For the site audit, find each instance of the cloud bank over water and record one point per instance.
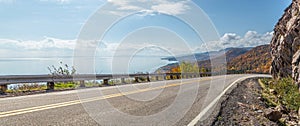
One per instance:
(34, 56)
(250, 39)
(56, 46)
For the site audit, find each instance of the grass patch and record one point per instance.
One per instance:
(26, 88)
(92, 84)
(65, 85)
(281, 92)
(114, 82)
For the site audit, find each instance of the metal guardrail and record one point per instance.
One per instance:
(51, 80)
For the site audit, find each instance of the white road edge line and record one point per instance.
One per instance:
(205, 110)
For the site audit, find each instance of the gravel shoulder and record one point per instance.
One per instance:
(242, 105)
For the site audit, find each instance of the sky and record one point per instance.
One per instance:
(35, 20)
(52, 28)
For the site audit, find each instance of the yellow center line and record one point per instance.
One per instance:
(69, 103)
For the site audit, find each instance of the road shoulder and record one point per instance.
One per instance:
(241, 105)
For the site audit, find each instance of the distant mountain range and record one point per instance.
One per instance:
(208, 55)
(248, 59)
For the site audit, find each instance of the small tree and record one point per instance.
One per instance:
(203, 70)
(62, 70)
(188, 67)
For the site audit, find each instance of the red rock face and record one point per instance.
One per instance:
(285, 45)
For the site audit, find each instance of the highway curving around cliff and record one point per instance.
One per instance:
(174, 102)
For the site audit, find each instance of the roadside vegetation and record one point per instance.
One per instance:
(42, 87)
(281, 92)
(65, 85)
(62, 70)
(183, 67)
(282, 96)
(39, 87)
(23, 88)
(267, 103)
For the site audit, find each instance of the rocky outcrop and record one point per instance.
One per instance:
(285, 45)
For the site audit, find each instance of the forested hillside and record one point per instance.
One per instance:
(257, 60)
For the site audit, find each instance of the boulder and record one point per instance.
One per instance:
(273, 115)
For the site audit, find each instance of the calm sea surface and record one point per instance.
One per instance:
(32, 66)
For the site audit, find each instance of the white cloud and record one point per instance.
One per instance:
(58, 1)
(169, 7)
(7, 1)
(53, 45)
(46, 43)
(250, 39)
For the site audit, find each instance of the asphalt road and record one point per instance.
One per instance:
(174, 102)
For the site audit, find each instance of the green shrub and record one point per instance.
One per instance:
(62, 70)
(92, 84)
(27, 88)
(285, 90)
(65, 85)
(113, 82)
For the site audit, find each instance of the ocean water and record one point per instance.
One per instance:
(102, 65)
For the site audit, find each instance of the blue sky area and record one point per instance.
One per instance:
(33, 30)
(240, 16)
(34, 19)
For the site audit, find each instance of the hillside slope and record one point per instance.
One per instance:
(239, 60)
(257, 60)
(230, 54)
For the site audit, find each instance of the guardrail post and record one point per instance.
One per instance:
(136, 79)
(82, 84)
(148, 78)
(165, 77)
(171, 77)
(178, 76)
(50, 86)
(123, 81)
(3, 88)
(105, 81)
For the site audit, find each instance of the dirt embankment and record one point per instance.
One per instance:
(245, 106)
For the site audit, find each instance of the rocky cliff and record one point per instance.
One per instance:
(285, 45)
